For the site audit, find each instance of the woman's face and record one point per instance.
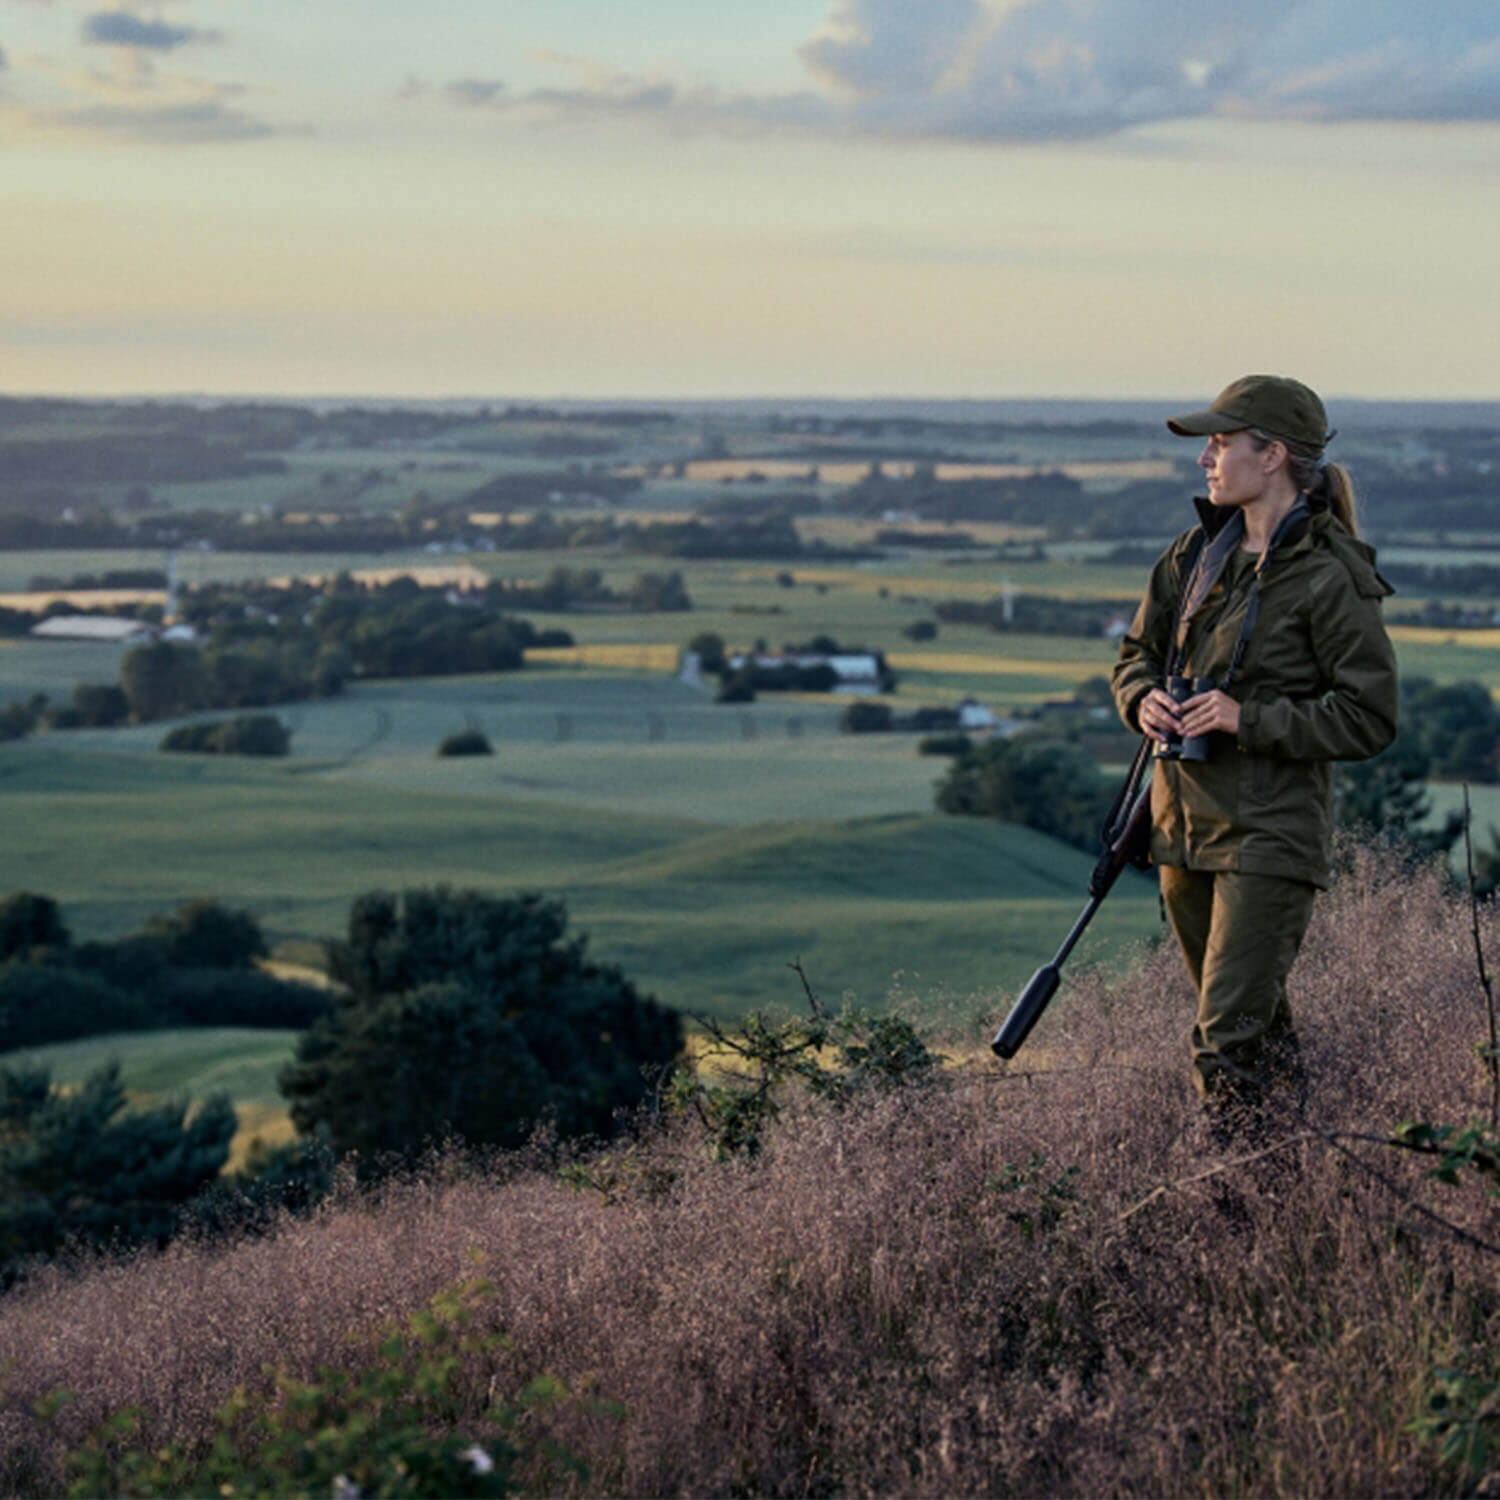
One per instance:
(1237, 470)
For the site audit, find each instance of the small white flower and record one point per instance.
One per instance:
(345, 1488)
(479, 1459)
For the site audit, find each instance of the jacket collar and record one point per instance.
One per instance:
(1214, 518)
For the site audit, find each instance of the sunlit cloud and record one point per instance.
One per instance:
(1016, 70)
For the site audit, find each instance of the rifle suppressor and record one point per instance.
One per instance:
(1040, 988)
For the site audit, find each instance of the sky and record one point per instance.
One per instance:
(797, 198)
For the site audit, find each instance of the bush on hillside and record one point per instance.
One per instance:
(44, 1003)
(92, 706)
(1046, 784)
(229, 997)
(465, 742)
(194, 966)
(28, 922)
(247, 734)
(77, 1167)
(867, 718)
(474, 1017)
(945, 744)
(201, 933)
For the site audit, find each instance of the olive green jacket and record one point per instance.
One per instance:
(1317, 683)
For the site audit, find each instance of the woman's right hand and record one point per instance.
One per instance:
(1158, 715)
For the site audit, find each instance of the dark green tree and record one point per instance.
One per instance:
(709, 646)
(77, 1166)
(1387, 796)
(28, 922)
(660, 593)
(472, 1016)
(94, 705)
(1046, 784)
(162, 679)
(1458, 726)
(202, 934)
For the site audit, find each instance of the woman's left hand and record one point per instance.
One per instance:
(1205, 712)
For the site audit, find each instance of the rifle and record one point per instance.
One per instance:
(1126, 837)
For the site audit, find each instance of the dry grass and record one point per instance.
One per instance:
(644, 656)
(1008, 1283)
(990, 663)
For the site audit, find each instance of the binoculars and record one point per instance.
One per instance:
(1193, 746)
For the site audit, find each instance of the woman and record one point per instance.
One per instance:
(1259, 645)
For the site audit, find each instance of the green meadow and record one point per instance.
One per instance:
(705, 911)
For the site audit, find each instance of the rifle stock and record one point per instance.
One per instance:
(1126, 840)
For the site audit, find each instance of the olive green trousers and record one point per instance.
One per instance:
(1239, 934)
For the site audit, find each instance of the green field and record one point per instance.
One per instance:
(704, 912)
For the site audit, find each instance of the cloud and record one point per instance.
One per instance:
(993, 69)
(598, 92)
(1017, 70)
(475, 91)
(203, 122)
(118, 28)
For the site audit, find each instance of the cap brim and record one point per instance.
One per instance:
(1201, 423)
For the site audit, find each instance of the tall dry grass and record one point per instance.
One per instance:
(982, 1287)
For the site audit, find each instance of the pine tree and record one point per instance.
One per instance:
(78, 1166)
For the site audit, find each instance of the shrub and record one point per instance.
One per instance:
(76, 1166)
(920, 630)
(465, 742)
(867, 718)
(44, 1003)
(236, 997)
(248, 734)
(98, 705)
(203, 934)
(474, 1017)
(1046, 784)
(28, 922)
(945, 744)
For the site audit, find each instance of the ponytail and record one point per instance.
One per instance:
(1337, 488)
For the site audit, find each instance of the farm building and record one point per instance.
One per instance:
(103, 628)
(854, 671)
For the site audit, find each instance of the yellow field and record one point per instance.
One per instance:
(437, 576)
(35, 603)
(655, 656)
(989, 664)
(1436, 635)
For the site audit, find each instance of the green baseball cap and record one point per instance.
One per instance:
(1274, 404)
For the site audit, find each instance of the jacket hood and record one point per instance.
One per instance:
(1320, 529)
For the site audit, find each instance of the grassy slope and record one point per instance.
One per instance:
(705, 916)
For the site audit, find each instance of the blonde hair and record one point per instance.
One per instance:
(1328, 484)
